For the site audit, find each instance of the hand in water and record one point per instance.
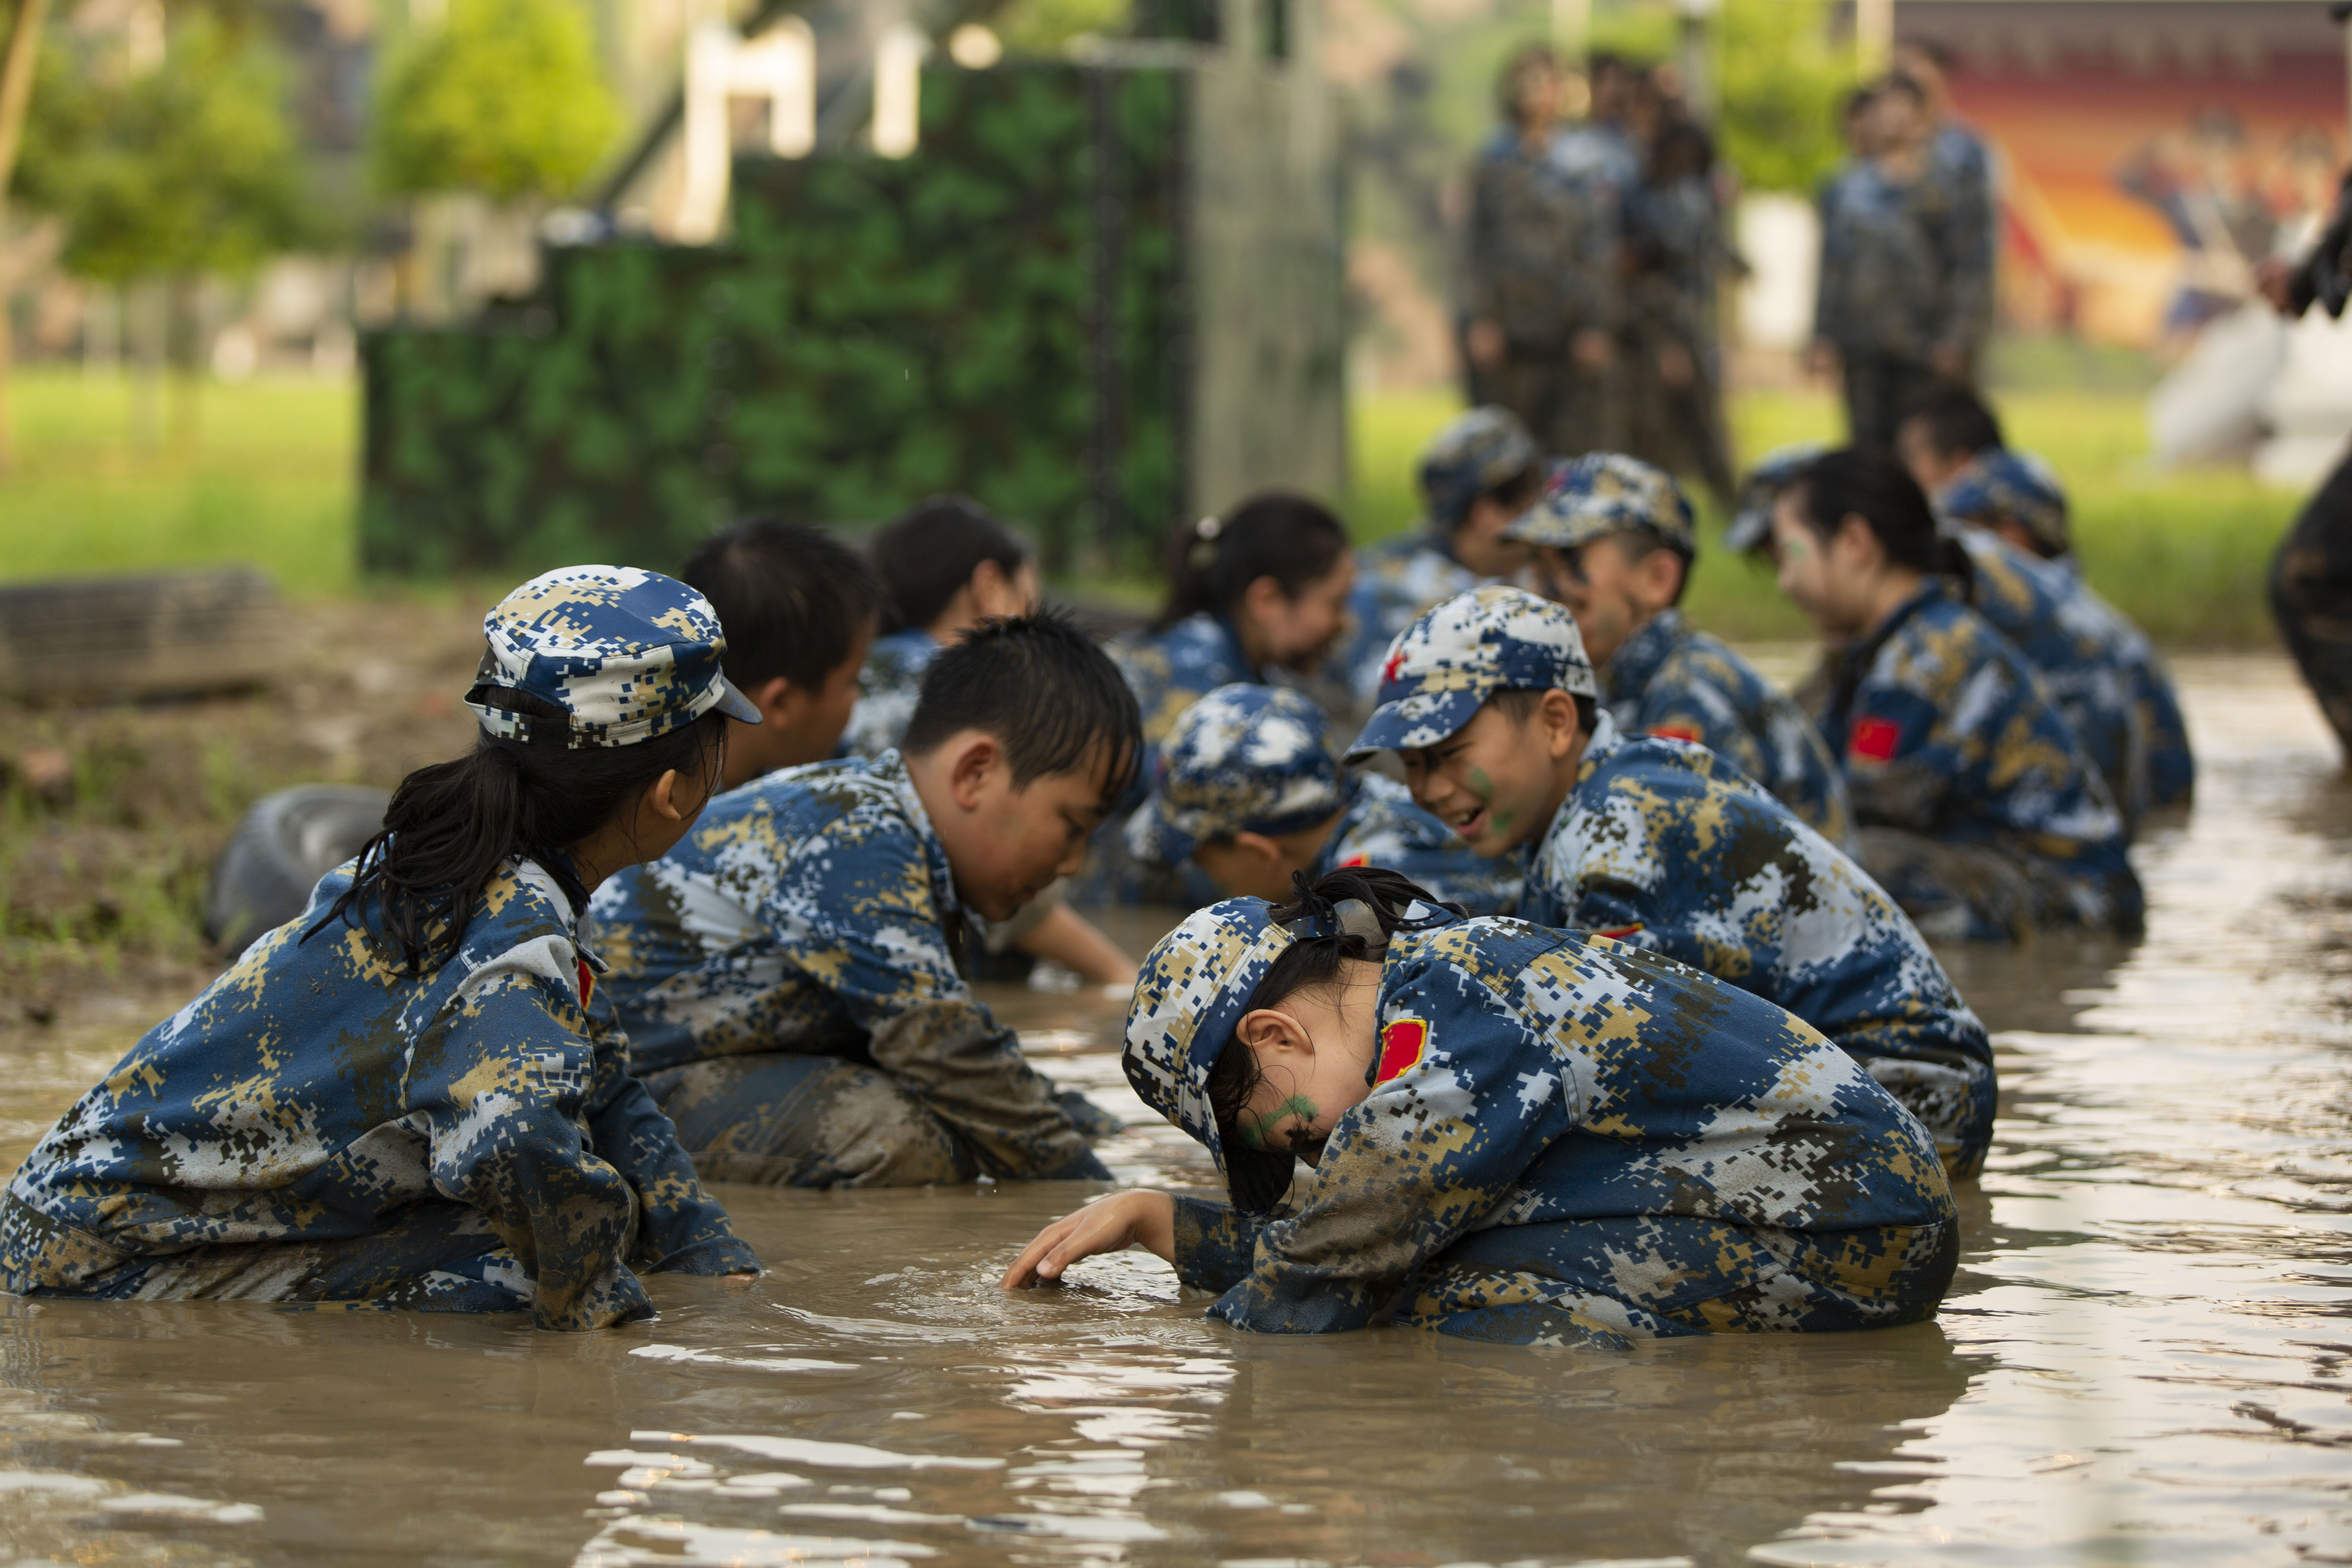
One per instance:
(1108, 1224)
(740, 1279)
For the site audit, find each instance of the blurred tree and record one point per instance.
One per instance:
(16, 102)
(166, 174)
(1046, 26)
(1781, 80)
(503, 99)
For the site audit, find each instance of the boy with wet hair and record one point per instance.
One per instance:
(1248, 790)
(1493, 706)
(799, 607)
(788, 973)
(1475, 475)
(1614, 542)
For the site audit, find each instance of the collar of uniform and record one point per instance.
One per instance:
(532, 874)
(1605, 739)
(890, 769)
(1224, 630)
(1634, 665)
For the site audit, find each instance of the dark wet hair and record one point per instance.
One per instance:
(1519, 703)
(793, 599)
(1956, 419)
(1043, 688)
(1257, 1178)
(451, 827)
(1211, 563)
(1872, 486)
(924, 557)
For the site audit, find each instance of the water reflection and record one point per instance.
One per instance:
(2146, 1357)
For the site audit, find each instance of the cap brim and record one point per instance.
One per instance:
(1749, 528)
(734, 704)
(1412, 722)
(1153, 840)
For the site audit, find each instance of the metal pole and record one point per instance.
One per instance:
(1873, 34)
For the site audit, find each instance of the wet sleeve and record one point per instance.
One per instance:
(504, 1084)
(681, 1228)
(1216, 1243)
(1470, 1097)
(861, 919)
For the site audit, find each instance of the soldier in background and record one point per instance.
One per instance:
(1901, 295)
(1957, 158)
(1541, 262)
(1673, 246)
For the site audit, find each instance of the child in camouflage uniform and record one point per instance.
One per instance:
(1660, 843)
(2013, 508)
(799, 607)
(415, 1095)
(1978, 809)
(1518, 1134)
(788, 972)
(945, 567)
(1250, 792)
(1475, 475)
(1615, 541)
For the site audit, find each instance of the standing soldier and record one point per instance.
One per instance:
(1674, 235)
(1895, 312)
(1541, 261)
(1957, 159)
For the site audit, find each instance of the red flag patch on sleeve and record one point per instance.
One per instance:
(1357, 860)
(1619, 933)
(587, 983)
(1675, 732)
(1875, 739)
(1402, 1046)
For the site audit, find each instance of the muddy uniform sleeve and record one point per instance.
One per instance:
(1467, 1098)
(504, 1087)
(1216, 1243)
(682, 1229)
(861, 920)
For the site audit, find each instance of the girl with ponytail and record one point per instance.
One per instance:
(1978, 809)
(412, 1095)
(1515, 1133)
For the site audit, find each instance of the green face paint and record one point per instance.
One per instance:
(1483, 787)
(1254, 1131)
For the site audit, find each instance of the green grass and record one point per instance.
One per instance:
(265, 478)
(268, 479)
(2185, 554)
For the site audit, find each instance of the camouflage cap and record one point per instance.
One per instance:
(1193, 989)
(1608, 492)
(1751, 525)
(626, 654)
(1442, 669)
(2002, 486)
(1243, 758)
(1481, 450)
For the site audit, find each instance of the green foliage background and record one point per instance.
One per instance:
(874, 331)
(505, 98)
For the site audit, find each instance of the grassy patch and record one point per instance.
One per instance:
(2185, 554)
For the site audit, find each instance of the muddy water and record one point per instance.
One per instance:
(2147, 1356)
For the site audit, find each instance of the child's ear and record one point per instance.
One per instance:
(1560, 722)
(1259, 846)
(774, 698)
(1266, 1031)
(976, 756)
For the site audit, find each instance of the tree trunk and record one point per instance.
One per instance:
(15, 100)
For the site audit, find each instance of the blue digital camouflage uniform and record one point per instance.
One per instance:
(887, 686)
(1669, 678)
(1661, 844)
(788, 980)
(1898, 277)
(1568, 1141)
(1257, 758)
(2000, 486)
(1168, 670)
(1401, 580)
(1978, 811)
(319, 1125)
(1541, 255)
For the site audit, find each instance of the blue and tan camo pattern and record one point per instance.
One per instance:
(1607, 492)
(2001, 486)
(809, 912)
(1541, 246)
(1397, 582)
(1662, 845)
(888, 686)
(1903, 264)
(1172, 669)
(1475, 452)
(1945, 732)
(626, 654)
(1591, 1145)
(1442, 669)
(1383, 827)
(1670, 679)
(315, 1098)
(2074, 649)
(1243, 758)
